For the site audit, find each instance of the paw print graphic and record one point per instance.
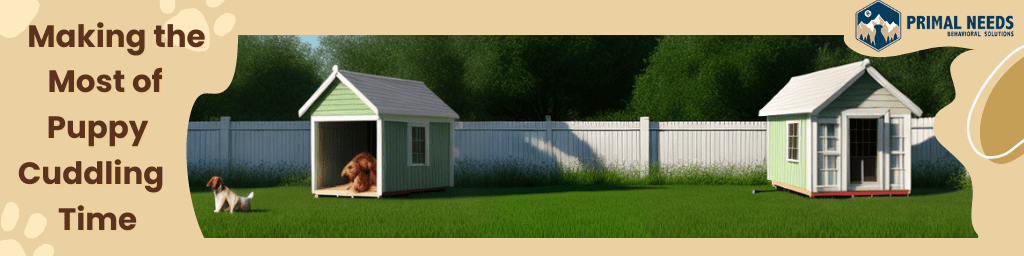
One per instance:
(192, 18)
(15, 15)
(33, 228)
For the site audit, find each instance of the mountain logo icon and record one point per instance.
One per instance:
(878, 25)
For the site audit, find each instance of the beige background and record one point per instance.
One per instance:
(167, 225)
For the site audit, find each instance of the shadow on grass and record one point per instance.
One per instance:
(482, 192)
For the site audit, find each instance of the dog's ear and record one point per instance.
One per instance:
(367, 162)
(214, 182)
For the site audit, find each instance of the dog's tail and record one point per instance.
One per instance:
(250, 195)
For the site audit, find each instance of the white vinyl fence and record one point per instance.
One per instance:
(261, 145)
(573, 144)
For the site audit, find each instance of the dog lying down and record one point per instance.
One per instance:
(361, 173)
(225, 199)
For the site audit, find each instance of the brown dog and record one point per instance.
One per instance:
(362, 172)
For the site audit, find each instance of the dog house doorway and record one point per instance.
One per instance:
(335, 144)
(864, 152)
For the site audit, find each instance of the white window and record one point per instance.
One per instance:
(793, 141)
(418, 144)
(897, 150)
(828, 154)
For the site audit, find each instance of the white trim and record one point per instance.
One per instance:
(767, 145)
(892, 89)
(320, 90)
(909, 147)
(811, 155)
(327, 83)
(343, 118)
(313, 150)
(844, 145)
(797, 122)
(883, 152)
(451, 155)
(426, 142)
(312, 155)
(881, 167)
(380, 158)
(358, 93)
(825, 152)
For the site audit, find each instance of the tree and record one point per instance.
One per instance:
(711, 78)
(274, 76)
(504, 77)
(720, 77)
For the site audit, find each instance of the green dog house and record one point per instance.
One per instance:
(403, 124)
(841, 131)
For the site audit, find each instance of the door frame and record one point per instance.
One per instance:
(883, 130)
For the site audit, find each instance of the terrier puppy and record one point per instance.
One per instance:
(225, 199)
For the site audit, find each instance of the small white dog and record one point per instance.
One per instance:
(225, 199)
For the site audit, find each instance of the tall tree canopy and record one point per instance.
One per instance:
(498, 78)
(705, 78)
(504, 77)
(274, 75)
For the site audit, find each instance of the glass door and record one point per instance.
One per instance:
(863, 150)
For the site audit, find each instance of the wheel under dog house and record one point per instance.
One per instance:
(841, 131)
(403, 124)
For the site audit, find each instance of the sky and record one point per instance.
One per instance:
(311, 39)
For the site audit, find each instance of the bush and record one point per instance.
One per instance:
(513, 173)
(940, 175)
(249, 176)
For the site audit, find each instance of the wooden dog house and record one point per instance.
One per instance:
(841, 131)
(403, 124)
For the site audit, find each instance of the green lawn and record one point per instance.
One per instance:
(591, 211)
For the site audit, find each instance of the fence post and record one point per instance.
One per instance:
(550, 141)
(225, 142)
(645, 142)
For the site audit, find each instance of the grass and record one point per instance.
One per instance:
(592, 211)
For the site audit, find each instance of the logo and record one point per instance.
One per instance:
(878, 25)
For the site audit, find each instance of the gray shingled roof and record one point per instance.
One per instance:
(399, 96)
(389, 95)
(810, 93)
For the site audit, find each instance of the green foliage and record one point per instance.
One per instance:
(600, 78)
(274, 75)
(720, 77)
(711, 78)
(945, 175)
(504, 77)
(482, 174)
(256, 176)
(591, 211)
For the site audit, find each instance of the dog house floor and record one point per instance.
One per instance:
(345, 191)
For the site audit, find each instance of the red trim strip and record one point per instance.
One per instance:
(864, 193)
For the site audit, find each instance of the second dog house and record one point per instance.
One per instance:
(403, 124)
(841, 131)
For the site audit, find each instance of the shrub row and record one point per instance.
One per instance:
(491, 174)
(483, 174)
(251, 176)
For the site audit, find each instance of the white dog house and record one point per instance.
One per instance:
(841, 131)
(403, 124)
